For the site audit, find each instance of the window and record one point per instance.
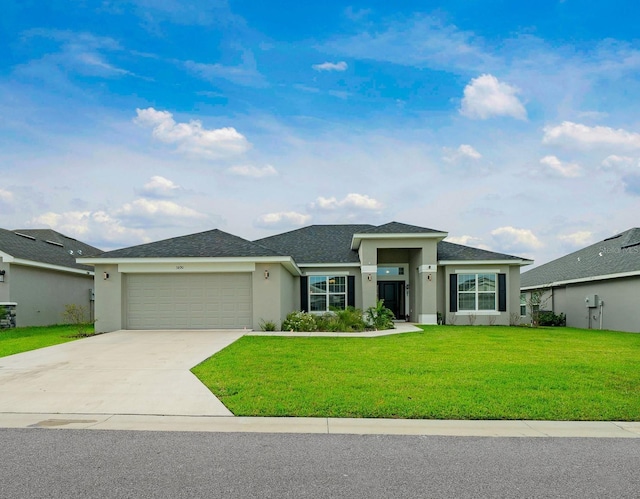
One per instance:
(523, 304)
(327, 292)
(476, 292)
(382, 271)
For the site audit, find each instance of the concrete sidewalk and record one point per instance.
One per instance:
(597, 429)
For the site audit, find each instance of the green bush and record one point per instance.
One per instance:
(300, 321)
(348, 320)
(548, 318)
(268, 325)
(380, 317)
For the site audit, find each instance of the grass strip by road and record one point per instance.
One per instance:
(445, 372)
(23, 339)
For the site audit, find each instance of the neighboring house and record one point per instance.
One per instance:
(597, 287)
(39, 275)
(217, 280)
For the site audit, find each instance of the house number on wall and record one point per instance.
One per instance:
(179, 267)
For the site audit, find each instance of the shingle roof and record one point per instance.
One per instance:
(332, 243)
(46, 246)
(400, 228)
(458, 252)
(212, 243)
(317, 243)
(614, 255)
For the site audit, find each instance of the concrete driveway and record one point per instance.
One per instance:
(124, 372)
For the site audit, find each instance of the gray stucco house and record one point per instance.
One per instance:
(217, 280)
(597, 287)
(39, 275)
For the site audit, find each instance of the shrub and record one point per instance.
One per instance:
(349, 320)
(380, 317)
(548, 318)
(299, 321)
(78, 316)
(268, 326)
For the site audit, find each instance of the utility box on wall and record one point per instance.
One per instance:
(591, 301)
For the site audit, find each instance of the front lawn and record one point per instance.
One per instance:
(445, 372)
(23, 339)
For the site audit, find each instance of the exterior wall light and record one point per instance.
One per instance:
(105, 276)
(370, 277)
(266, 274)
(2, 272)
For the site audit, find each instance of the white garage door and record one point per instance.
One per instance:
(188, 301)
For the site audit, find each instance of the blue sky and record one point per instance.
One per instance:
(514, 126)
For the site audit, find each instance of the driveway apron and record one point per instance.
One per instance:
(124, 372)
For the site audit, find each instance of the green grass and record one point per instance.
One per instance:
(23, 339)
(445, 372)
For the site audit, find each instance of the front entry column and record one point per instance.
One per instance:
(428, 276)
(369, 286)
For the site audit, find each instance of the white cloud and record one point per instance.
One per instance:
(464, 240)
(352, 201)
(245, 74)
(6, 196)
(614, 162)
(191, 138)
(331, 66)
(513, 239)
(253, 171)
(564, 169)
(160, 187)
(577, 239)
(465, 151)
(486, 97)
(583, 136)
(146, 212)
(282, 219)
(96, 226)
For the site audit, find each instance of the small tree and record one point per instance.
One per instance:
(78, 316)
(535, 301)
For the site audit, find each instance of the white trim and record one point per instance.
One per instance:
(583, 279)
(318, 265)
(185, 268)
(476, 271)
(485, 262)
(8, 303)
(431, 319)
(6, 257)
(357, 238)
(286, 261)
(479, 312)
(48, 266)
(369, 269)
(328, 274)
(427, 268)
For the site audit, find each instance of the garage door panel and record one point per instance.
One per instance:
(188, 301)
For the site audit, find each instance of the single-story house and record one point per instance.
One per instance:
(597, 287)
(39, 275)
(217, 280)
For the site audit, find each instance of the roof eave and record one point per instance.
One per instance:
(357, 238)
(286, 261)
(580, 280)
(520, 262)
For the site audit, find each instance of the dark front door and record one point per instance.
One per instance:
(392, 292)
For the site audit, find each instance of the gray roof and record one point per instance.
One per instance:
(46, 246)
(212, 243)
(317, 243)
(332, 243)
(400, 228)
(614, 255)
(451, 251)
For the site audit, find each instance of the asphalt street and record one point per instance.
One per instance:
(63, 463)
